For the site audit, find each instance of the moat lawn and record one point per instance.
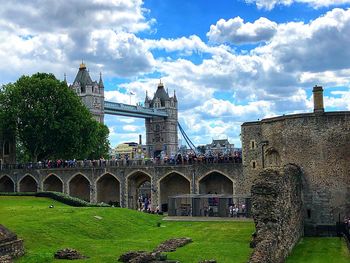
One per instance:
(320, 250)
(45, 230)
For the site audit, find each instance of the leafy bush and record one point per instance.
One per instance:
(18, 193)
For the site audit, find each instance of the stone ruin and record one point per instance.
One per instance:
(277, 212)
(69, 253)
(10, 246)
(156, 255)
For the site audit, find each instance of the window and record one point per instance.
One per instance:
(253, 163)
(252, 144)
(6, 148)
(308, 213)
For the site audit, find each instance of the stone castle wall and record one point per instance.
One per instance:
(277, 212)
(126, 178)
(319, 144)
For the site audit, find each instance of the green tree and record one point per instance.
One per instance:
(49, 118)
(100, 143)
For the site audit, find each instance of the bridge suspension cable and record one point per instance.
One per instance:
(187, 139)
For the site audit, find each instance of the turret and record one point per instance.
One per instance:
(160, 94)
(101, 85)
(90, 92)
(147, 100)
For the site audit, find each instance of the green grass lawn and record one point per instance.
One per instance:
(45, 230)
(320, 250)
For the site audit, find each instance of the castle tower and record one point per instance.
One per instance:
(161, 133)
(90, 92)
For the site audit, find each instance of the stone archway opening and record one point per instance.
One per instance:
(53, 184)
(108, 190)
(6, 184)
(28, 184)
(139, 190)
(216, 183)
(79, 187)
(171, 185)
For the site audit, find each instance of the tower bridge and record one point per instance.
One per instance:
(125, 184)
(160, 112)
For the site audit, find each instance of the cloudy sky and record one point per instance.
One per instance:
(229, 61)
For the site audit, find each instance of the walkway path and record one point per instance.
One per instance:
(205, 218)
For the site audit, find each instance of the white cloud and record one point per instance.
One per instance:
(236, 31)
(321, 45)
(342, 100)
(270, 4)
(78, 16)
(55, 35)
(130, 128)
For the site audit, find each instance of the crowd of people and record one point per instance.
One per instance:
(178, 159)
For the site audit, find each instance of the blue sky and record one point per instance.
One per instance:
(229, 61)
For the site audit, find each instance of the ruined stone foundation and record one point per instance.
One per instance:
(277, 212)
(10, 246)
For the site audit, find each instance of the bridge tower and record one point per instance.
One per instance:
(161, 132)
(90, 92)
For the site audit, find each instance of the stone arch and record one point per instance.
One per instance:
(7, 184)
(173, 183)
(216, 182)
(53, 183)
(28, 184)
(108, 189)
(272, 158)
(139, 184)
(80, 186)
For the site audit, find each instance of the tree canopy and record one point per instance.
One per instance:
(50, 120)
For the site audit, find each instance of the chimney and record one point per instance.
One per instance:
(140, 139)
(318, 99)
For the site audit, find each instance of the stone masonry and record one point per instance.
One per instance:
(277, 212)
(10, 246)
(120, 183)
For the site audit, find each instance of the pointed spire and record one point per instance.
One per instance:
(100, 82)
(175, 99)
(147, 98)
(65, 78)
(160, 83)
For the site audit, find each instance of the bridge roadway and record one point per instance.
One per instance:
(138, 111)
(124, 183)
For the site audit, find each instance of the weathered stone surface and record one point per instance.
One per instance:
(10, 246)
(6, 235)
(6, 259)
(319, 144)
(126, 257)
(277, 212)
(68, 253)
(172, 244)
(155, 256)
(142, 257)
